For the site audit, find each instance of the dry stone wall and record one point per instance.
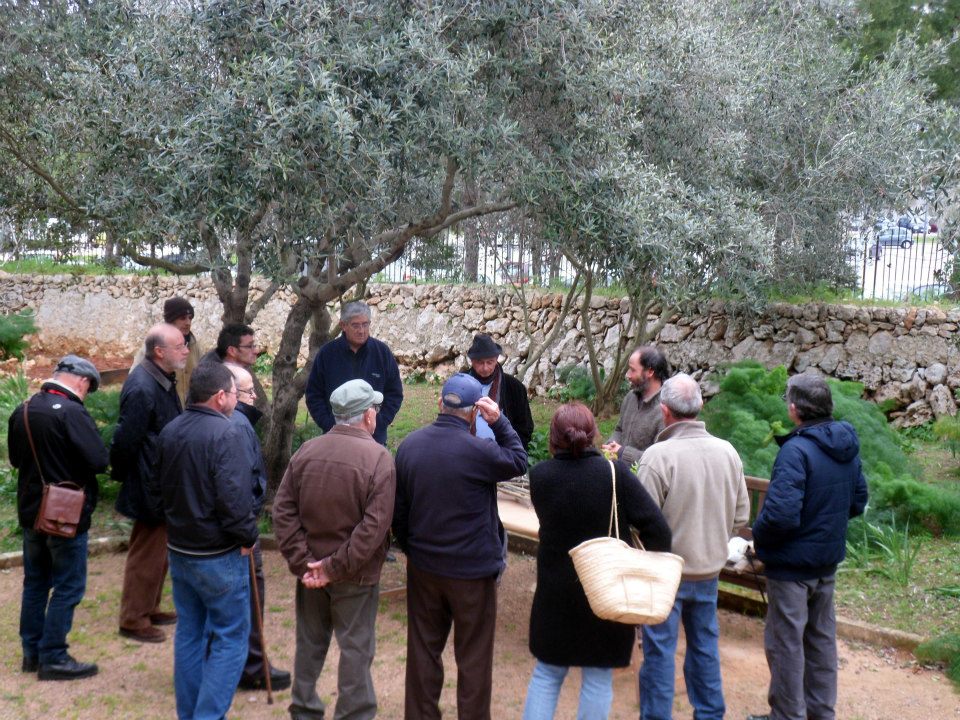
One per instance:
(904, 355)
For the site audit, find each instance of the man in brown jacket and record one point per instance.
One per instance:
(331, 517)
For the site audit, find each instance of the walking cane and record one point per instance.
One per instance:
(263, 640)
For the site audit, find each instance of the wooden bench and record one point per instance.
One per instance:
(757, 489)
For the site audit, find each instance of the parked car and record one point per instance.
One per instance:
(913, 222)
(926, 293)
(894, 237)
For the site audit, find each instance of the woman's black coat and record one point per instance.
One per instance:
(572, 498)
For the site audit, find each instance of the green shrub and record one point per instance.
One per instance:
(944, 649)
(104, 408)
(13, 328)
(749, 411)
(577, 384)
(539, 447)
(13, 391)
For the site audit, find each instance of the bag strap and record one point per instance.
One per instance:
(614, 519)
(33, 449)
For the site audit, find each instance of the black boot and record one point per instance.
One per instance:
(69, 669)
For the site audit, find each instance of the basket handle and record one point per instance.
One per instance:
(614, 519)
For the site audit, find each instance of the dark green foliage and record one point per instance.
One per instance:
(577, 384)
(947, 429)
(104, 408)
(539, 448)
(945, 649)
(12, 330)
(749, 411)
(306, 430)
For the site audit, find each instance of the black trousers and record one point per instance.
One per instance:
(434, 605)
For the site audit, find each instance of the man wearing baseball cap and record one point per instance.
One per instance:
(331, 517)
(55, 568)
(446, 521)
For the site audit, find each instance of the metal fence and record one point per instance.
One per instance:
(901, 266)
(904, 267)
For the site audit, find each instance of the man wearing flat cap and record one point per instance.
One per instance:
(505, 390)
(331, 517)
(446, 521)
(68, 448)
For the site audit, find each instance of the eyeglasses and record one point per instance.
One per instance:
(251, 346)
(230, 392)
(376, 409)
(359, 326)
(250, 393)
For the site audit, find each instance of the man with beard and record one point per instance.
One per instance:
(178, 311)
(505, 390)
(640, 417)
(148, 401)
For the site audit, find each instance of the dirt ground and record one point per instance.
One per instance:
(135, 680)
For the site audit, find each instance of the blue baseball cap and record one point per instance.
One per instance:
(461, 391)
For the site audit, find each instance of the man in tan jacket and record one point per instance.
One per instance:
(332, 517)
(698, 482)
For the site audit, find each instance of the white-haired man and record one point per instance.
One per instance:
(697, 479)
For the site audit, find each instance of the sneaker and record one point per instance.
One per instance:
(148, 634)
(69, 669)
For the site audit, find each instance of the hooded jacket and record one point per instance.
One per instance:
(816, 487)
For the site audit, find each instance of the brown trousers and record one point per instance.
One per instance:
(143, 575)
(434, 604)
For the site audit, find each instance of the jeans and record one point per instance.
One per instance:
(596, 692)
(50, 563)
(801, 645)
(211, 595)
(696, 605)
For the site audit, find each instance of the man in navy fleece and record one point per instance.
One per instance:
(354, 356)
(445, 520)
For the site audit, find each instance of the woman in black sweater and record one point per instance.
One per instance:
(572, 495)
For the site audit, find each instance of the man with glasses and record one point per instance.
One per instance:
(354, 356)
(332, 517)
(245, 416)
(178, 311)
(148, 401)
(237, 345)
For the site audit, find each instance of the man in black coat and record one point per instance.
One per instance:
(148, 402)
(205, 486)
(505, 390)
(68, 448)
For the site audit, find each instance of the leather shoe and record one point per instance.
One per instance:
(147, 634)
(69, 669)
(30, 664)
(758, 717)
(163, 618)
(279, 680)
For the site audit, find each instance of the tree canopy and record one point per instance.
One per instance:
(678, 148)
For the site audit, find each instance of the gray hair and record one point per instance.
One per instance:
(681, 394)
(810, 396)
(351, 420)
(354, 309)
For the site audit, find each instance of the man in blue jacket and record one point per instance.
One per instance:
(445, 519)
(354, 356)
(800, 534)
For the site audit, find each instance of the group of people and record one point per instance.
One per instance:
(194, 481)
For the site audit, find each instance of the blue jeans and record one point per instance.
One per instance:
(211, 595)
(50, 563)
(596, 692)
(696, 605)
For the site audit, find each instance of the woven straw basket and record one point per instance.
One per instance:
(624, 584)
